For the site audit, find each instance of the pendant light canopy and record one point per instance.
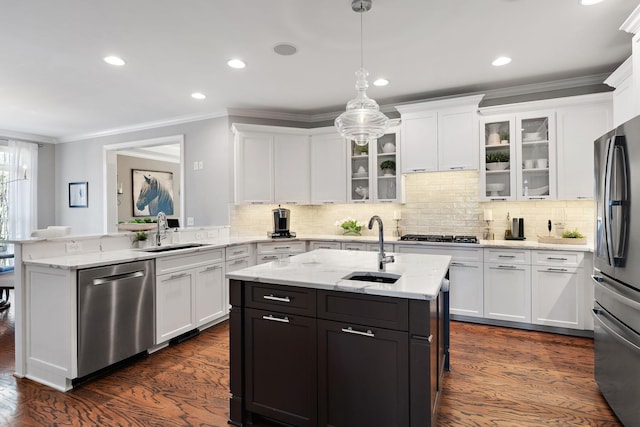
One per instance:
(362, 121)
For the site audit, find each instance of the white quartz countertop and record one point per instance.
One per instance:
(420, 275)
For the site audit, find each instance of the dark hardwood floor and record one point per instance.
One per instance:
(499, 377)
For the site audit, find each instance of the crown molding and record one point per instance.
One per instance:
(632, 23)
(546, 104)
(143, 126)
(29, 137)
(620, 74)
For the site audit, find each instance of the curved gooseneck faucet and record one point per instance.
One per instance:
(162, 218)
(382, 258)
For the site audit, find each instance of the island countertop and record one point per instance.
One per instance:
(420, 275)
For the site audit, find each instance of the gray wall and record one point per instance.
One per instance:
(46, 185)
(207, 190)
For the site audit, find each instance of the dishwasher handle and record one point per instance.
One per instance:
(108, 279)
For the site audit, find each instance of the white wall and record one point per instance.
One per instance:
(206, 191)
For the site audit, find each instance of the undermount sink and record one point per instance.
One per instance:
(174, 247)
(373, 276)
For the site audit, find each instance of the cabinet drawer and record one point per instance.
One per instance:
(281, 247)
(354, 246)
(286, 299)
(456, 254)
(180, 262)
(236, 264)
(563, 258)
(261, 259)
(371, 310)
(324, 245)
(374, 247)
(512, 256)
(238, 251)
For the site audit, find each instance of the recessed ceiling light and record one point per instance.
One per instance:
(285, 49)
(503, 60)
(114, 60)
(381, 82)
(236, 63)
(590, 2)
(198, 95)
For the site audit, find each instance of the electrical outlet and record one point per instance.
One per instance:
(189, 221)
(73, 247)
(200, 165)
(200, 235)
(195, 166)
(211, 234)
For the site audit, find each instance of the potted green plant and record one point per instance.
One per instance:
(388, 167)
(360, 150)
(140, 236)
(498, 160)
(504, 137)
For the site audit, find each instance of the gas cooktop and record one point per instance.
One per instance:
(439, 238)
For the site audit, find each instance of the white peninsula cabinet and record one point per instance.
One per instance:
(278, 249)
(190, 292)
(271, 165)
(440, 135)
(507, 285)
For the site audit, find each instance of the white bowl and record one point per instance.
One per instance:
(497, 166)
(540, 191)
(495, 189)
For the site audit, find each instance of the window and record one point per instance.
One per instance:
(4, 191)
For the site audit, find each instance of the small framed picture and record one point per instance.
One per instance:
(78, 194)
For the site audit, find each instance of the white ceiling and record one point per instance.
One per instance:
(54, 83)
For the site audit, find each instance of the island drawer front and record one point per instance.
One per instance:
(180, 262)
(285, 299)
(370, 310)
(565, 259)
(512, 256)
(238, 251)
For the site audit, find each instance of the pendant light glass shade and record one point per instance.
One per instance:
(362, 121)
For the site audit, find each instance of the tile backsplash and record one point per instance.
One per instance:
(435, 203)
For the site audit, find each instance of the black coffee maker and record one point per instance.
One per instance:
(281, 219)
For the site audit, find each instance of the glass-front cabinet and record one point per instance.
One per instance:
(518, 161)
(373, 170)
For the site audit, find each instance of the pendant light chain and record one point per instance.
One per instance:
(361, 41)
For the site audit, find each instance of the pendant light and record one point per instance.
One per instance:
(362, 121)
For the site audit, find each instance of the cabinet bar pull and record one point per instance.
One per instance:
(213, 267)
(418, 170)
(497, 198)
(350, 330)
(507, 266)
(537, 198)
(177, 276)
(282, 247)
(240, 261)
(284, 319)
(270, 257)
(257, 203)
(456, 168)
(271, 297)
(557, 258)
(238, 252)
(328, 203)
(557, 269)
(506, 256)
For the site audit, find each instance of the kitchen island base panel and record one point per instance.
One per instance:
(365, 373)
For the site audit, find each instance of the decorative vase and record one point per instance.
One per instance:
(494, 134)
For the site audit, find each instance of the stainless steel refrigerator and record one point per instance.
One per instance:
(616, 275)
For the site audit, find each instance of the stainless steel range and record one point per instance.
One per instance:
(439, 238)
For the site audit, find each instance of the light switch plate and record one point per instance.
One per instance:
(189, 221)
(73, 247)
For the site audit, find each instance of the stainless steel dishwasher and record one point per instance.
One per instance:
(115, 313)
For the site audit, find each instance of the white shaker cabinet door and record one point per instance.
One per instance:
(211, 293)
(254, 168)
(507, 292)
(467, 289)
(557, 294)
(328, 169)
(291, 170)
(174, 305)
(420, 143)
(457, 140)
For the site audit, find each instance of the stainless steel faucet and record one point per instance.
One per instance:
(382, 258)
(162, 218)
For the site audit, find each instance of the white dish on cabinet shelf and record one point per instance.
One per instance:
(495, 188)
(360, 175)
(497, 166)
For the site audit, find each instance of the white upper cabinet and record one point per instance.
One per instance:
(271, 165)
(440, 135)
(328, 168)
(578, 127)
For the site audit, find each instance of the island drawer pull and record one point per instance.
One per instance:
(350, 330)
(506, 256)
(284, 319)
(272, 297)
(557, 269)
(557, 258)
(507, 266)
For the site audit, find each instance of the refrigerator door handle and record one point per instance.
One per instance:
(617, 202)
(606, 209)
(617, 331)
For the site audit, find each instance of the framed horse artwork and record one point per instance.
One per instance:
(152, 192)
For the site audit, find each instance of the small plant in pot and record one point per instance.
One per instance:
(497, 161)
(388, 167)
(140, 236)
(360, 150)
